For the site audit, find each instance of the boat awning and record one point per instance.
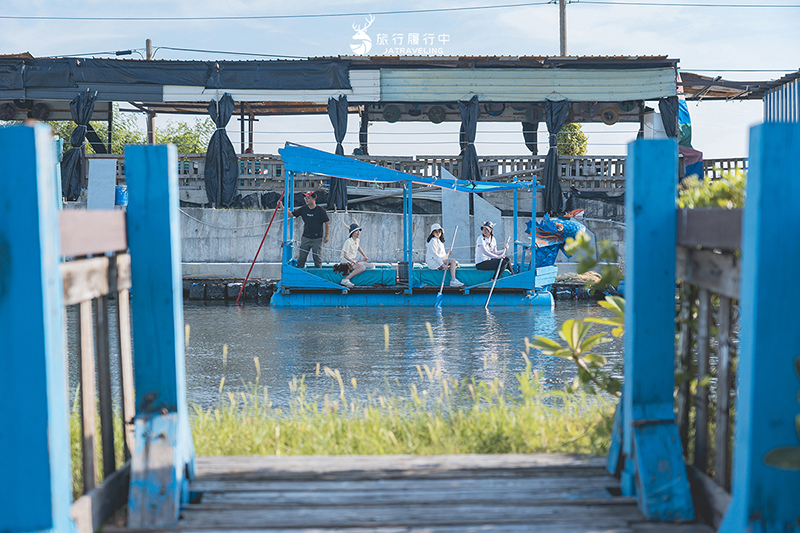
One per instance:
(307, 160)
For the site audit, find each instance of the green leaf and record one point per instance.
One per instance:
(593, 341)
(584, 375)
(544, 344)
(594, 359)
(784, 458)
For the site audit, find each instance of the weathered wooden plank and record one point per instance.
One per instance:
(411, 516)
(710, 228)
(722, 441)
(712, 497)
(544, 484)
(88, 402)
(84, 279)
(462, 528)
(508, 464)
(684, 360)
(701, 429)
(765, 497)
(654, 467)
(105, 400)
(126, 367)
(718, 272)
(265, 500)
(91, 232)
(123, 271)
(94, 508)
(34, 441)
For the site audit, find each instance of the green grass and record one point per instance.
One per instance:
(435, 416)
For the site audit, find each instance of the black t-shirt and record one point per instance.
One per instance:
(313, 219)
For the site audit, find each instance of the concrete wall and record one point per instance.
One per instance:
(222, 242)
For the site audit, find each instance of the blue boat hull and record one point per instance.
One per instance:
(350, 299)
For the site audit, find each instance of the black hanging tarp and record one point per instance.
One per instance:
(469, 127)
(530, 132)
(555, 116)
(222, 165)
(81, 108)
(337, 187)
(668, 107)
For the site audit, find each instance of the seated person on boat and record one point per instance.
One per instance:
(487, 255)
(350, 251)
(437, 258)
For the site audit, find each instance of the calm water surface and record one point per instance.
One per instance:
(465, 343)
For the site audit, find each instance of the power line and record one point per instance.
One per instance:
(282, 17)
(228, 53)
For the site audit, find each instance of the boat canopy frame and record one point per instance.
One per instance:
(300, 159)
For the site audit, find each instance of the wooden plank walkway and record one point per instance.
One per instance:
(402, 493)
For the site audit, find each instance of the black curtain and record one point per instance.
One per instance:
(337, 187)
(530, 134)
(668, 107)
(469, 127)
(555, 117)
(222, 165)
(81, 107)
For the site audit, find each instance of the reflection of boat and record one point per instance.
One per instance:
(394, 284)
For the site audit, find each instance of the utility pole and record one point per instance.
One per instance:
(151, 117)
(562, 25)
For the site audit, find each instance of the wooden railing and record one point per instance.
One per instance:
(260, 172)
(96, 267)
(707, 265)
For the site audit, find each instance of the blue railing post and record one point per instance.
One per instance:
(35, 474)
(163, 456)
(766, 498)
(654, 468)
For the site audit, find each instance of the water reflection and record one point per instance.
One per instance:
(465, 343)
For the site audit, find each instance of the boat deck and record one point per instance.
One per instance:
(401, 493)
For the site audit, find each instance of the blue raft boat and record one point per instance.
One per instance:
(396, 284)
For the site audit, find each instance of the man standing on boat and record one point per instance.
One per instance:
(315, 219)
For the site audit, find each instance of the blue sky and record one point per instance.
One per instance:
(714, 40)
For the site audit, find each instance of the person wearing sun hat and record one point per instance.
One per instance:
(487, 255)
(350, 251)
(437, 258)
(315, 219)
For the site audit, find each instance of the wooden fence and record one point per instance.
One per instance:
(662, 244)
(708, 267)
(96, 245)
(35, 285)
(259, 172)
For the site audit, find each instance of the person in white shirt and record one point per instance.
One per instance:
(350, 251)
(437, 258)
(487, 255)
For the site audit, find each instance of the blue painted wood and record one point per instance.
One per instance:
(35, 479)
(158, 333)
(351, 299)
(614, 461)
(650, 330)
(765, 498)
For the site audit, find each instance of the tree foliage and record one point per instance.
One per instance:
(728, 192)
(571, 140)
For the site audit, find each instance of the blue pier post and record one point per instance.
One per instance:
(766, 499)
(654, 469)
(35, 474)
(163, 457)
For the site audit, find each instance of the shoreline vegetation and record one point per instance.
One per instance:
(436, 415)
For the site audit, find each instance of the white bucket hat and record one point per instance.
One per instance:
(434, 227)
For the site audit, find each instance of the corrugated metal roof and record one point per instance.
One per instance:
(531, 85)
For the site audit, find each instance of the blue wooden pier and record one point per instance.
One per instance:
(165, 487)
